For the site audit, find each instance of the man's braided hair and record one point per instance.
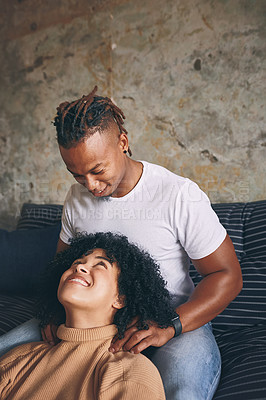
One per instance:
(81, 118)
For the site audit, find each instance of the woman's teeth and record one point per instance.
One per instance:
(81, 281)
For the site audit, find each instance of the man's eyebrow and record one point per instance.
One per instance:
(91, 170)
(105, 258)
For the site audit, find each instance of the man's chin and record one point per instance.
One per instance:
(105, 198)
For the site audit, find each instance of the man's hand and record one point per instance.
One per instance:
(49, 334)
(136, 340)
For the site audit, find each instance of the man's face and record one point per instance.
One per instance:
(99, 163)
(90, 284)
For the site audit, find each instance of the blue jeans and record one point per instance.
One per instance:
(189, 365)
(25, 333)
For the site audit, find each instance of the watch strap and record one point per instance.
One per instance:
(176, 323)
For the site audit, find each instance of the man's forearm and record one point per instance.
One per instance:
(211, 296)
(221, 283)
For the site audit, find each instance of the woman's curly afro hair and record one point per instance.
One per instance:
(139, 281)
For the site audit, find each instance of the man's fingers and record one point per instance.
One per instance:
(54, 331)
(133, 336)
(117, 344)
(44, 338)
(49, 334)
(154, 336)
(144, 344)
(137, 338)
(133, 322)
(127, 333)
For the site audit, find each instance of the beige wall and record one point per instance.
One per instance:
(189, 75)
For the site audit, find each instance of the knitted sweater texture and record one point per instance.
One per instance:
(80, 367)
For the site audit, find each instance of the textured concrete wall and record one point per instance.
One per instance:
(189, 75)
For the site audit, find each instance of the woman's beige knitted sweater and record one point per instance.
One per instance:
(80, 367)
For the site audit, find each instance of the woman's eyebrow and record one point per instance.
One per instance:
(87, 253)
(105, 258)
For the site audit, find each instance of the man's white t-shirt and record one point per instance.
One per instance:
(165, 214)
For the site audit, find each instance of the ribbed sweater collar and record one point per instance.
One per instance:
(86, 335)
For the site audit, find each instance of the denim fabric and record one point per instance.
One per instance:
(25, 333)
(190, 365)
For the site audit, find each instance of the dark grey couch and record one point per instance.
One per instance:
(240, 330)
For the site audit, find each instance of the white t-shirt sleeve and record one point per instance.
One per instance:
(198, 228)
(67, 229)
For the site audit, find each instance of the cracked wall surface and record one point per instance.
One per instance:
(189, 76)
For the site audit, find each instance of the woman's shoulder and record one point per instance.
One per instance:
(22, 355)
(138, 366)
(135, 369)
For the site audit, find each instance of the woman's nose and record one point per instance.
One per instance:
(82, 268)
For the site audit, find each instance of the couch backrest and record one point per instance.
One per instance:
(246, 225)
(26, 251)
(36, 216)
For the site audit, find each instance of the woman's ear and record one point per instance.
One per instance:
(119, 302)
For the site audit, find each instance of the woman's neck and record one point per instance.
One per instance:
(84, 320)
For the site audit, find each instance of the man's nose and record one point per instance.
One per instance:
(90, 183)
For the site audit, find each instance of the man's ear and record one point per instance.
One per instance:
(119, 302)
(123, 141)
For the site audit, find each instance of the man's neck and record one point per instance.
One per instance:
(131, 178)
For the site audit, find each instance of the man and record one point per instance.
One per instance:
(170, 217)
(92, 290)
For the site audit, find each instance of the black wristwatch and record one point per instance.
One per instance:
(176, 323)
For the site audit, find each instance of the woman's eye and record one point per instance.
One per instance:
(77, 262)
(102, 264)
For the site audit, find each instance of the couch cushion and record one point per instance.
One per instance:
(23, 255)
(231, 215)
(249, 307)
(244, 364)
(255, 229)
(246, 225)
(14, 310)
(35, 216)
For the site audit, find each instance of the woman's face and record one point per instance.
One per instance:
(91, 284)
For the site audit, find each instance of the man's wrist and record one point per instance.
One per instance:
(176, 324)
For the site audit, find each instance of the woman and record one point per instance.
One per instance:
(94, 290)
